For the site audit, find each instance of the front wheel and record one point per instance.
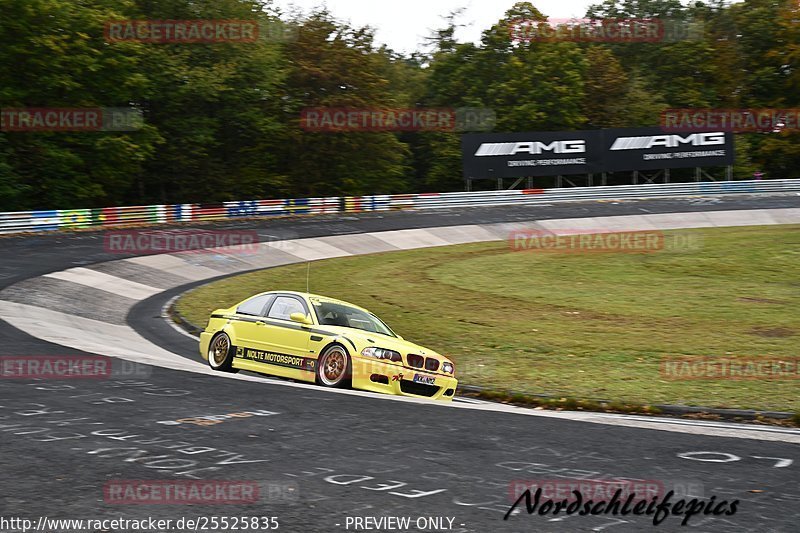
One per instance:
(220, 353)
(333, 367)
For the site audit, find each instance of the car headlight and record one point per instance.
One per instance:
(382, 353)
(448, 367)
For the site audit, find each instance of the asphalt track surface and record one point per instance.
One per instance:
(321, 458)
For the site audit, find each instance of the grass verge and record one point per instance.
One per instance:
(595, 325)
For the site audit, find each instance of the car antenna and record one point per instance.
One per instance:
(308, 272)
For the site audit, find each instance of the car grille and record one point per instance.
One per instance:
(415, 360)
(420, 389)
(431, 364)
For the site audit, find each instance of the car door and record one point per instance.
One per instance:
(249, 322)
(281, 344)
(284, 335)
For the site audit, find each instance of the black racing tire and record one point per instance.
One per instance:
(220, 353)
(334, 367)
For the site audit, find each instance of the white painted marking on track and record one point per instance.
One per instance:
(706, 423)
(105, 282)
(726, 457)
(463, 399)
(780, 462)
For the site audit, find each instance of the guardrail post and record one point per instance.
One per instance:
(514, 185)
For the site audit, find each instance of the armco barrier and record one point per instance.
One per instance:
(17, 222)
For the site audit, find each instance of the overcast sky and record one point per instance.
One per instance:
(403, 24)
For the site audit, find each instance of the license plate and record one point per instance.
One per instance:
(427, 380)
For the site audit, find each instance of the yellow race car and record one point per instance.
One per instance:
(317, 339)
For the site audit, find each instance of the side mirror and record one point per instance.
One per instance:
(300, 317)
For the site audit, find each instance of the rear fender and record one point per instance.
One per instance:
(229, 330)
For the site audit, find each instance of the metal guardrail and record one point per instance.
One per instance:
(61, 219)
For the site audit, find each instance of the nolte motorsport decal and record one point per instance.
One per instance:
(278, 359)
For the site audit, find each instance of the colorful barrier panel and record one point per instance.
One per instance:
(98, 218)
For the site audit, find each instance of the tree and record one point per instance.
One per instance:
(216, 105)
(335, 66)
(54, 56)
(606, 84)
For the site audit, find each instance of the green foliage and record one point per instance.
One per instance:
(334, 65)
(221, 121)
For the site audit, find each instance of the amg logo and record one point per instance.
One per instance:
(532, 147)
(668, 141)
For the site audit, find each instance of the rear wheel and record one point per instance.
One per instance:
(333, 367)
(220, 353)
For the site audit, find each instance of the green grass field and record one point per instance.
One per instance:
(576, 325)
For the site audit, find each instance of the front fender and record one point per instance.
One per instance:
(347, 342)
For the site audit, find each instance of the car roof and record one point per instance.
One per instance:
(319, 297)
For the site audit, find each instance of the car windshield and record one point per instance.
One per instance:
(335, 314)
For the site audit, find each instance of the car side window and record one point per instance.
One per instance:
(255, 306)
(284, 306)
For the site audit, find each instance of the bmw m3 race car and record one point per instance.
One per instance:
(317, 339)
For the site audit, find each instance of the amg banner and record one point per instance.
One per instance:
(508, 155)
(653, 149)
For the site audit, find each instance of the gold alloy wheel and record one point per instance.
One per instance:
(218, 352)
(333, 367)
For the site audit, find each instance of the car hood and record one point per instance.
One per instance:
(383, 341)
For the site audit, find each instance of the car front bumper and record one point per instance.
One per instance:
(377, 376)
